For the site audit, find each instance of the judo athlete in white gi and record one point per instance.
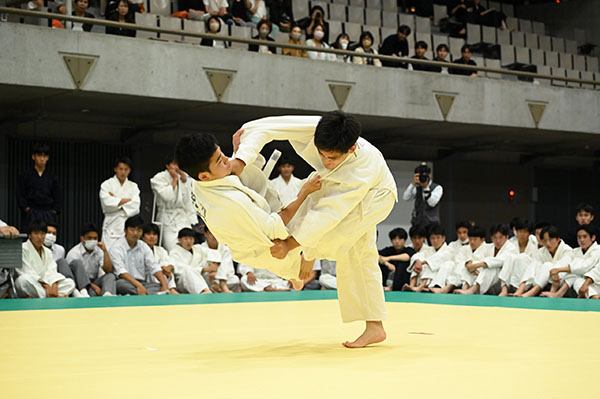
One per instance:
(286, 184)
(150, 233)
(120, 200)
(575, 266)
(588, 286)
(487, 271)
(175, 210)
(237, 215)
(462, 236)
(38, 277)
(339, 221)
(537, 274)
(515, 266)
(92, 256)
(424, 268)
(225, 279)
(190, 261)
(134, 263)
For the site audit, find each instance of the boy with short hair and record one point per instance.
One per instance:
(514, 266)
(286, 184)
(584, 215)
(396, 259)
(191, 262)
(150, 234)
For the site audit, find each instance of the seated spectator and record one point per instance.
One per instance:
(132, 5)
(216, 8)
(213, 25)
(584, 215)
(58, 251)
(259, 280)
(317, 41)
(295, 38)
(257, 10)
(38, 276)
(366, 46)
(514, 267)
(224, 278)
(190, 261)
(264, 30)
(286, 184)
(281, 14)
(465, 59)
(91, 255)
(462, 235)
(328, 277)
(124, 14)
(240, 14)
(8, 232)
(462, 11)
(150, 233)
(491, 17)
(395, 259)
(134, 263)
(341, 43)
(442, 51)
(397, 46)
(80, 10)
(310, 23)
(420, 50)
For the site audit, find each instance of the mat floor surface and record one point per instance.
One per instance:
(288, 345)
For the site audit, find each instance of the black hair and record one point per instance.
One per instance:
(125, 160)
(151, 228)
(591, 230)
(87, 228)
(499, 228)
(552, 231)
(442, 46)
(404, 29)
(461, 224)
(417, 231)
(52, 224)
(583, 207)
(436, 229)
(186, 232)
(193, 153)
(541, 225)
(477, 231)
(520, 224)
(169, 159)
(366, 34)
(465, 47)
(317, 7)
(134, 221)
(284, 160)
(38, 225)
(40, 148)
(213, 18)
(421, 44)
(337, 131)
(398, 232)
(423, 168)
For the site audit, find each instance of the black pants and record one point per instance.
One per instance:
(36, 214)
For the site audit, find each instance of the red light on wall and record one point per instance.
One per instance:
(557, 1)
(511, 193)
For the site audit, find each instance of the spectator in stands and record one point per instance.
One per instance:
(213, 25)
(58, 251)
(318, 42)
(422, 8)
(240, 14)
(120, 200)
(310, 24)
(442, 51)
(79, 10)
(420, 50)
(191, 9)
(134, 263)
(8, 232)
(395, 259)
(491, 17)
(281, 14)
(584, 215)
(217, 8)
(328, 277)
(38, 277)
(465, 50)
(191, 261)
(150, 233)
(172, 188)
(225, 279)
(426, 194)
(366, 46)
(264, 30)
(258, 13)
(397, 46)
(132, 5)
(341, 43)
(295, 38)
(462, 11)
(91, 255)
(39, 194)
(286, 184)
(122, 13)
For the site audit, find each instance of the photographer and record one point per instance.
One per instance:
(427, 196)
(317, 17)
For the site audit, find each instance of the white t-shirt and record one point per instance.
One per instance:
(261, 11)
(216, 5)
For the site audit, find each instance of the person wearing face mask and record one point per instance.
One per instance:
(213, 25)
(264, 30)
(91, 255)
(295, 36)
(318, 41)
(58, 251)
(310, 23)
(365, 46)
(341, 43)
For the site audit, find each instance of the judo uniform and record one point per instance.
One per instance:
(226, 270)
(515, 266)
(264, 279)
(594, 288)
(580, 264)
(188, 268)
(536, 272)
(488, 276)
(113, 226)
(442, 258)
(287, 191)
(162, 258)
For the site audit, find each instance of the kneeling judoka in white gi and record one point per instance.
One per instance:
(515, 266)
(339, 221)
(424, 268)
(537, 274)
(486, 272)
(574, 267)
(237, 215)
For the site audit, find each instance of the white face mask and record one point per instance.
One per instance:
(295, 36)
(90, 245)
(319, 34)
(214, 27)
(344, 44)
(49, 240)
(264, 32)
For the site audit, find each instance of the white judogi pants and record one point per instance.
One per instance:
(594, 289)
(514, 269)
(233, 282)
(263, 282)
(328, 281)
(29, 286)
(189, 280)
(445, 276)
(488, 280)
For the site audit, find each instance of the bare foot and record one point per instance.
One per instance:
(436, 290)
(387, 288)
(374, 333)
(173, 291)
(407, 287)
(297, 284)
(460, 291)
(595, 297)
(546, 294)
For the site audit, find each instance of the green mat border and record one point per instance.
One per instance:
(564, 304)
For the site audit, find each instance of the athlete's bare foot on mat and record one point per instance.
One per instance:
(374, 333)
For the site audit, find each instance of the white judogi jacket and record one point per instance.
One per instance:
(443, 254)
(422, 254)
(580, 263)
(181, 258)
(175, 209)
(287, 191)
(515, 241)
(496, 261)
(456, 245)
(161, 256)
(543, 261)
(41, 268)
(114, 215)
(226, 269)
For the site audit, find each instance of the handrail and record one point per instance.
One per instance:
(124, 25)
